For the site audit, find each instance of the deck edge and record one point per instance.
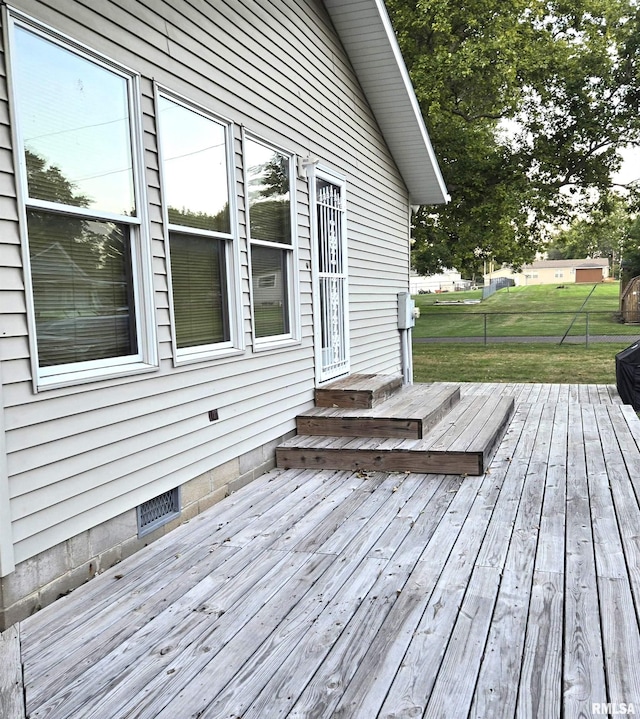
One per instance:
(11, 680)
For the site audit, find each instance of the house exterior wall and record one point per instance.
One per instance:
(79, 456)
(445, 282)
(549, 275)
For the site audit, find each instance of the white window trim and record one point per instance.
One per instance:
(236, 345)
(146, 359)
(293, 337)
(322, 172)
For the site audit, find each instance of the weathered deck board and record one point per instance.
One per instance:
(541, 677)
(142, 569)
(583, 663)
(619, 625)
(369, 684)
(120, 620)
(501, 669)
(376, 627)
(540, 692)
(11, 689)
(506, 551)
(371, 595)
(413, 681)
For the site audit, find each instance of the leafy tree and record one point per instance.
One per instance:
(630, 263)
(219, 222)
(97, 248)
(528, 104)
(271, 178)
(604, 233)
(270, 208)
(46, 182)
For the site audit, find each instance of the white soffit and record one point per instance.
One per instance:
(370, 42)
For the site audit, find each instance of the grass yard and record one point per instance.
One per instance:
(516, 363)
(541, 310)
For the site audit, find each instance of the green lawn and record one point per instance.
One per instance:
(542, 310)
(516, 363)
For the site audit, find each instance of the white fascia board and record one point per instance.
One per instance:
(367, 35)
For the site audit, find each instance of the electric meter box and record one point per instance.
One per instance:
(406, 311)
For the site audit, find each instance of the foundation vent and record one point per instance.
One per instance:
(158, 511)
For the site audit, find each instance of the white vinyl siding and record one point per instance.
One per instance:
(7, 563)
(80, 455)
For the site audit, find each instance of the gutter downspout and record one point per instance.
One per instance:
(407, 357)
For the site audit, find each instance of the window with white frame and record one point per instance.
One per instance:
(76, 119)
(197, 196)
(559, 274)
(272, 240)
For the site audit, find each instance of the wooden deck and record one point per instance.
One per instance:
(321, 593)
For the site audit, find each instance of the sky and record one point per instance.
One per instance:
(630, 167)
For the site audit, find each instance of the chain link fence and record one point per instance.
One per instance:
(550, 327)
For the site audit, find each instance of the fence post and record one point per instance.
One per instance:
(587, 330)
(485, 328)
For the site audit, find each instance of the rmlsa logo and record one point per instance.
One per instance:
(612, 709)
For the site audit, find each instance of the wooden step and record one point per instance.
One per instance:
(410, 412)
(462, 443)
(358, 391)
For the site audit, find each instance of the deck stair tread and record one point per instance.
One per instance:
(358, 390)
(461, 443)
(409, 412)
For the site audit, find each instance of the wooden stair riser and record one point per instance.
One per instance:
(464, 463)
(358, 427)
(342, 394)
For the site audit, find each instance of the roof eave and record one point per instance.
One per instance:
(367, 35)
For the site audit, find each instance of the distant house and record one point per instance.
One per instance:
(446, 281)
(200, 200)
(550, 272)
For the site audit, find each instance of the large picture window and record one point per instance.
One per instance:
(196, 188)
(76, 140)
(272, 239)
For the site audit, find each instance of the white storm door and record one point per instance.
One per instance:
(330, 277)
